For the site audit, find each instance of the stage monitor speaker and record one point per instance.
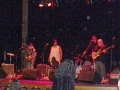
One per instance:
(86, 76)
(114, 76)
(43, 69)
(29, 74)
(3, 74)
(51, 74)
(8, 68)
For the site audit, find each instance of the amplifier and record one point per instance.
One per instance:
(8, 68)
(29, 74)
(43, 69)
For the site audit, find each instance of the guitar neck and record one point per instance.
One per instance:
(106, 49)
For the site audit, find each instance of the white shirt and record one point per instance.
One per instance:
(55, 52)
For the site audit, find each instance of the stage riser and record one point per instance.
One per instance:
(29, 84)
(95, 88)
(45, 87)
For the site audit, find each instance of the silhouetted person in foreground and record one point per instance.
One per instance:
(65, 76)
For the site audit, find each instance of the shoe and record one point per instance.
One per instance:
(104, 81)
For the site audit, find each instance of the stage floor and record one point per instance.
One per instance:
(46, 85)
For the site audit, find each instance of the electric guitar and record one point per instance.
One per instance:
(97, 54)
(28, 58)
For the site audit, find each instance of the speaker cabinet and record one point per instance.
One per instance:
(3, 74)
(86, 76)
(51, 74)
(43, 69)
(29, 74)
(114, 76)
(8, 68)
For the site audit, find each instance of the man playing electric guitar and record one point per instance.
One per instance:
(30, 56)
(100, 58)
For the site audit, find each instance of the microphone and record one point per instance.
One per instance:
(21, 48)
(47, 44)
(113, 38)
(91, 40)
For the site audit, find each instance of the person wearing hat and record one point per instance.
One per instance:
(30, 56)
(55, 56)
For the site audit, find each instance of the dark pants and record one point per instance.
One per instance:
(54, 63)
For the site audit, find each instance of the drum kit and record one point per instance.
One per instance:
(79, 63)
(78, 60)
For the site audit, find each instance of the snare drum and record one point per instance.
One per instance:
(78, 69)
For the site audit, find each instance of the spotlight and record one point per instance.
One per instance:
(49, 4)
(89, 1)
(46, 3)
(41, 5)
(109, 0)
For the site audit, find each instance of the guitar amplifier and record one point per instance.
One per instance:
(86, 76)
(29, 74)
(8, 68)
(43, 69)
(114, 76)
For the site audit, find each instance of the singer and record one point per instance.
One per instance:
(55, 56)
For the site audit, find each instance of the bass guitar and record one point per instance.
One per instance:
(97, 54)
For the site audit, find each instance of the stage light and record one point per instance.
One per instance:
(89, 1)
(41, 5)
(109, 0)
(46, 3)
(49, 4)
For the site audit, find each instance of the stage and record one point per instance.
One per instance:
(46, 85)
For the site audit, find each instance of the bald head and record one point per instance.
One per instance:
(100, 42)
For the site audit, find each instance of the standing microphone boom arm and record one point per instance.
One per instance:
(87, 49)
(111, 55)
(42, 55)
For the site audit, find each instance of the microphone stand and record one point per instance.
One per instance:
(87, 49)
(74, 51)
(16, 64)
(111, 57)
(42, 55)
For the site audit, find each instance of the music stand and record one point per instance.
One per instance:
(10, 54)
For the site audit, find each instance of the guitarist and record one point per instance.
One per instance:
(100, 60)
(30, 56)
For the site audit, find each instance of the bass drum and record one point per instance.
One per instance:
(78, 69)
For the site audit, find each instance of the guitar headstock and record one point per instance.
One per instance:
(113, 46)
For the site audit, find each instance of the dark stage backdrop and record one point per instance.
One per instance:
(72, 24)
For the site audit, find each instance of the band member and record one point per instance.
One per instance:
(30, 56)
(99, 56)
(93, 42)
(88, 52)
(55, 56)
(89, 49)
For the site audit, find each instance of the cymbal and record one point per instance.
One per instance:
(78, 54)
(76, 58)
(10, 54)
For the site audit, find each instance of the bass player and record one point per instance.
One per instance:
(99, 58)
(30, 56)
